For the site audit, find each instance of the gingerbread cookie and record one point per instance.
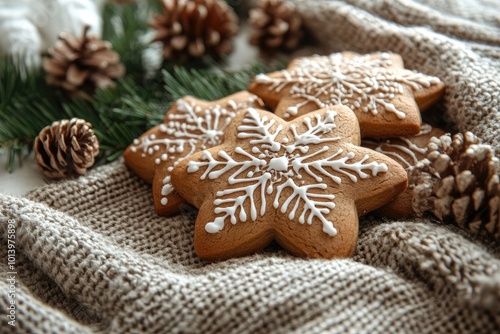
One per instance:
(384, 96)
(407, 152)
(302, 183)
(189, 126)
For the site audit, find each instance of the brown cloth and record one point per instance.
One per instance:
(92, 256)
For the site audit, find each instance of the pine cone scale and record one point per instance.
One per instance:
(75, 76)
(196, 48)
(54, 68)
(105, 56)
(459, 183)
(71, 41)
(179, 42)
(478, 197)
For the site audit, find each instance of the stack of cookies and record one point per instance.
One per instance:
(302, 175)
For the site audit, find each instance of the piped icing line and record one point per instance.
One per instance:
(364, 82)
(411, 149)
(273, 164)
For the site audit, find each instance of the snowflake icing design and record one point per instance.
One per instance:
(362, 82)
(273, 166)
(188, 130)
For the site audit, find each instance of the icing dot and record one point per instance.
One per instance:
(279, 164)
(165, 191)
(192, 168)
(164, 201)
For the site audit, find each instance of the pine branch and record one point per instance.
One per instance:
(211, 84)
(118, 115)
(137, 103)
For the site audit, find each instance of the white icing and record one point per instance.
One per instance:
(277, 161)
(190, 129)
(363, 82)
(279, 164)
(409, 148)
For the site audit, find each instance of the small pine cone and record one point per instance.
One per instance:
(82, 64)
(459, 183)
(194, 28)
(66, 148)
(275, 26)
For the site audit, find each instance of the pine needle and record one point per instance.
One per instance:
(137, 103)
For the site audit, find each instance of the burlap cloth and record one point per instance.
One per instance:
(93, 257)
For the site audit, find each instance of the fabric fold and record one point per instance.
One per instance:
(93, 257)
(117, 267)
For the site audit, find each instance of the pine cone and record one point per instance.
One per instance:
(194, 28)
(82, 64)
(66, 148)
(274, 26)
(459, 183)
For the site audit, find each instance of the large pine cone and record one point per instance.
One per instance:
(66, 148)
(459, 183)
(82, 64)
(275, 26)
(194, 28)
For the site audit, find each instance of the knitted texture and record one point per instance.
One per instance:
(93, 257)
(456, 41)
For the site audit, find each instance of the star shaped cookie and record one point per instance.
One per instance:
(385, 97)
(189, 126)
(302, 183)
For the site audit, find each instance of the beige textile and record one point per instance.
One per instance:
(92, 256)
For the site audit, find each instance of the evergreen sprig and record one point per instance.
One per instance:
(138, 102)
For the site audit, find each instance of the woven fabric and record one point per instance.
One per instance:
(92, 256)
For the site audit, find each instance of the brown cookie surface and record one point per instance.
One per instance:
(407, 151)
(302, 183)
(189, 126)
(384, 96)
